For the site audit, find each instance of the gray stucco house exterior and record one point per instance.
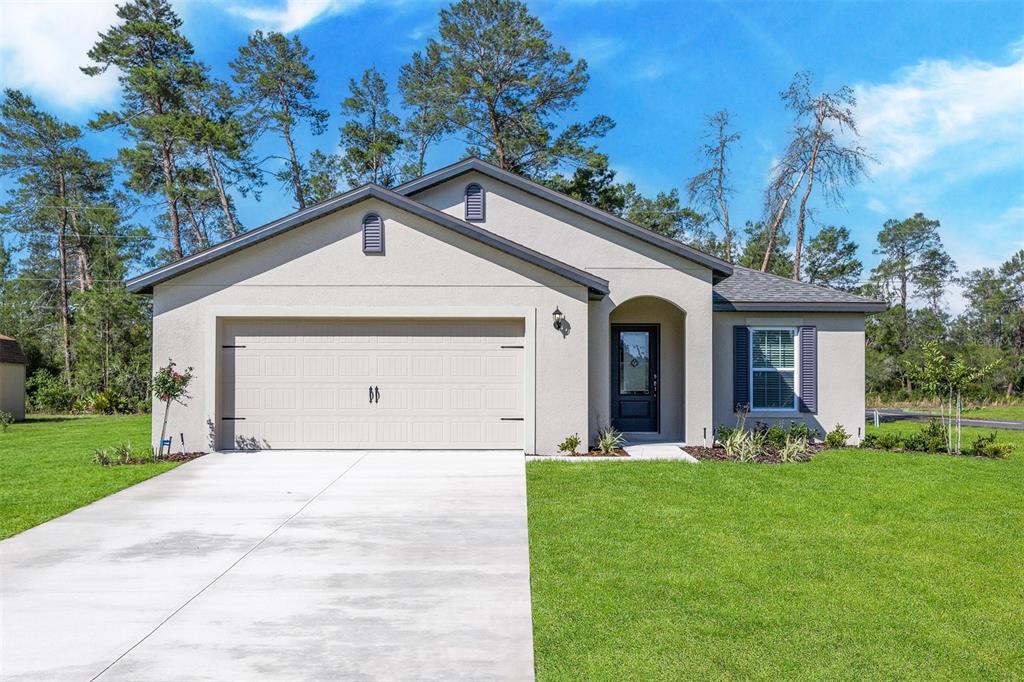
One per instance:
(474, 309)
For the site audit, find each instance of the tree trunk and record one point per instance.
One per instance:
(62, 285)
(218, 182)
(777, 221)
(286, 130)
(728, 230)
(499, 149)
(84, 271)
(172, 201)
(163, 430)
(802, 215)
(196, 229)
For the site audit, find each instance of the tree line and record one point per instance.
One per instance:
(491, 79)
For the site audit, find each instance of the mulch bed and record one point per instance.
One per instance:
(769, 456)
(181, 456)
(597, 453)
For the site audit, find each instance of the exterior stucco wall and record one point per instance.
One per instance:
(840, 369)
(671, 363)
(12, 389)
(632, 267)
(319, 270)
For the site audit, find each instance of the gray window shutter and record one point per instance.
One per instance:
(373, 234)
(809, 369)
(474, 202)
(740, 368)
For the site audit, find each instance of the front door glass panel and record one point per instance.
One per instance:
(634, 363)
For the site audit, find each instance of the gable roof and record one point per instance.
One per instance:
(753, 290)
(144, 283)
(10, 351)
(719, 267)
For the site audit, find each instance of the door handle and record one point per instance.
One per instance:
(371, 395)
(376, 392)
(655, 383)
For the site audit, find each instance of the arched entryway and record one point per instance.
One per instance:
(648, 369)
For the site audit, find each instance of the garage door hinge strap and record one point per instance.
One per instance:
(232, 346)
(511, 346)
(511, 419)
(233, 419)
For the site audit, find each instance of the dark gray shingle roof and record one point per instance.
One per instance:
(752, 290)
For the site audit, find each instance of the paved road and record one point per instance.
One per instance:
(281, 566)
(895, 414)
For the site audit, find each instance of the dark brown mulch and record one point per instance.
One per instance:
(769, 456)
(597, 453)
(181, 456)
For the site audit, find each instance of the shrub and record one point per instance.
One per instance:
(802, 430)
(794, 449)
(837, 437)
(107, 401)
(931, 439)
(570, 444)
(882, 441)
(986, 446)
(49, 393)
(122, 453)
(609, 440)
(723, 432)
(6, 419)
(774, 435)
(745, 446)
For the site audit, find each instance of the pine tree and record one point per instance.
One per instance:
(157, 72)
(371, 137)
(277, 88)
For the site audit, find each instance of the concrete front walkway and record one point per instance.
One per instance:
(281, 566)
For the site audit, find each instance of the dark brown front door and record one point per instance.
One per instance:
(635, 377)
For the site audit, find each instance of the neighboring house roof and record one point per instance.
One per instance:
(10, 352)
(145, 283)
(717, 265)
(753, 290)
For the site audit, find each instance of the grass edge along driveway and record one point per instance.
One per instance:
(858, 565)
(46, 468)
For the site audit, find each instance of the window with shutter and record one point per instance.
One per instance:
(373, 234)
(773, 369)
(474, 202)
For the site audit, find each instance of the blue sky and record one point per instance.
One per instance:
(940, 88)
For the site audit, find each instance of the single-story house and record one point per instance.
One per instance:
(12, 378)
(472, 308)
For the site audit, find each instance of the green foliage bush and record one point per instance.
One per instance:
(837, 437)
(123, 453)
(571, 444)
(49, 393)
(609, 440)
(931, 438)
(801, 430)
(6, 419)
(774, 434)
(986, 446)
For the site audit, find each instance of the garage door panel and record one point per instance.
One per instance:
(307, 384)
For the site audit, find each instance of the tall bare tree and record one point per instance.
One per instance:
(822, 152)
(710, 189)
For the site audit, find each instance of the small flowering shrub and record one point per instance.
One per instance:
(571, 444)
(170, 386)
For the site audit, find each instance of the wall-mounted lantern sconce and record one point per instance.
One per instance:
(559, 319)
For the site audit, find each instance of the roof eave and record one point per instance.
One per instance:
(801, 306)
(143, 284)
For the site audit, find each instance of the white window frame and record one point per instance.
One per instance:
(796, 370)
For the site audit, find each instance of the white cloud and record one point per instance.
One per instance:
(964, 117)
(43, 44)
(877, 206)
(291, 15)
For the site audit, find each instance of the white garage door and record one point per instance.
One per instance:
(394, 384)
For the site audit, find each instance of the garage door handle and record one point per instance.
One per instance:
(376, 392)
(371, 395)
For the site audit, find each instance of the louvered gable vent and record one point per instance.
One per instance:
(373, 234)
(474, 202)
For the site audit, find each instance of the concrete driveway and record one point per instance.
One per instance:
(281, 566)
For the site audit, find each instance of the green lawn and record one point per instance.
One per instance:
(1015, 412)
(857, 565)
(45, 467)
